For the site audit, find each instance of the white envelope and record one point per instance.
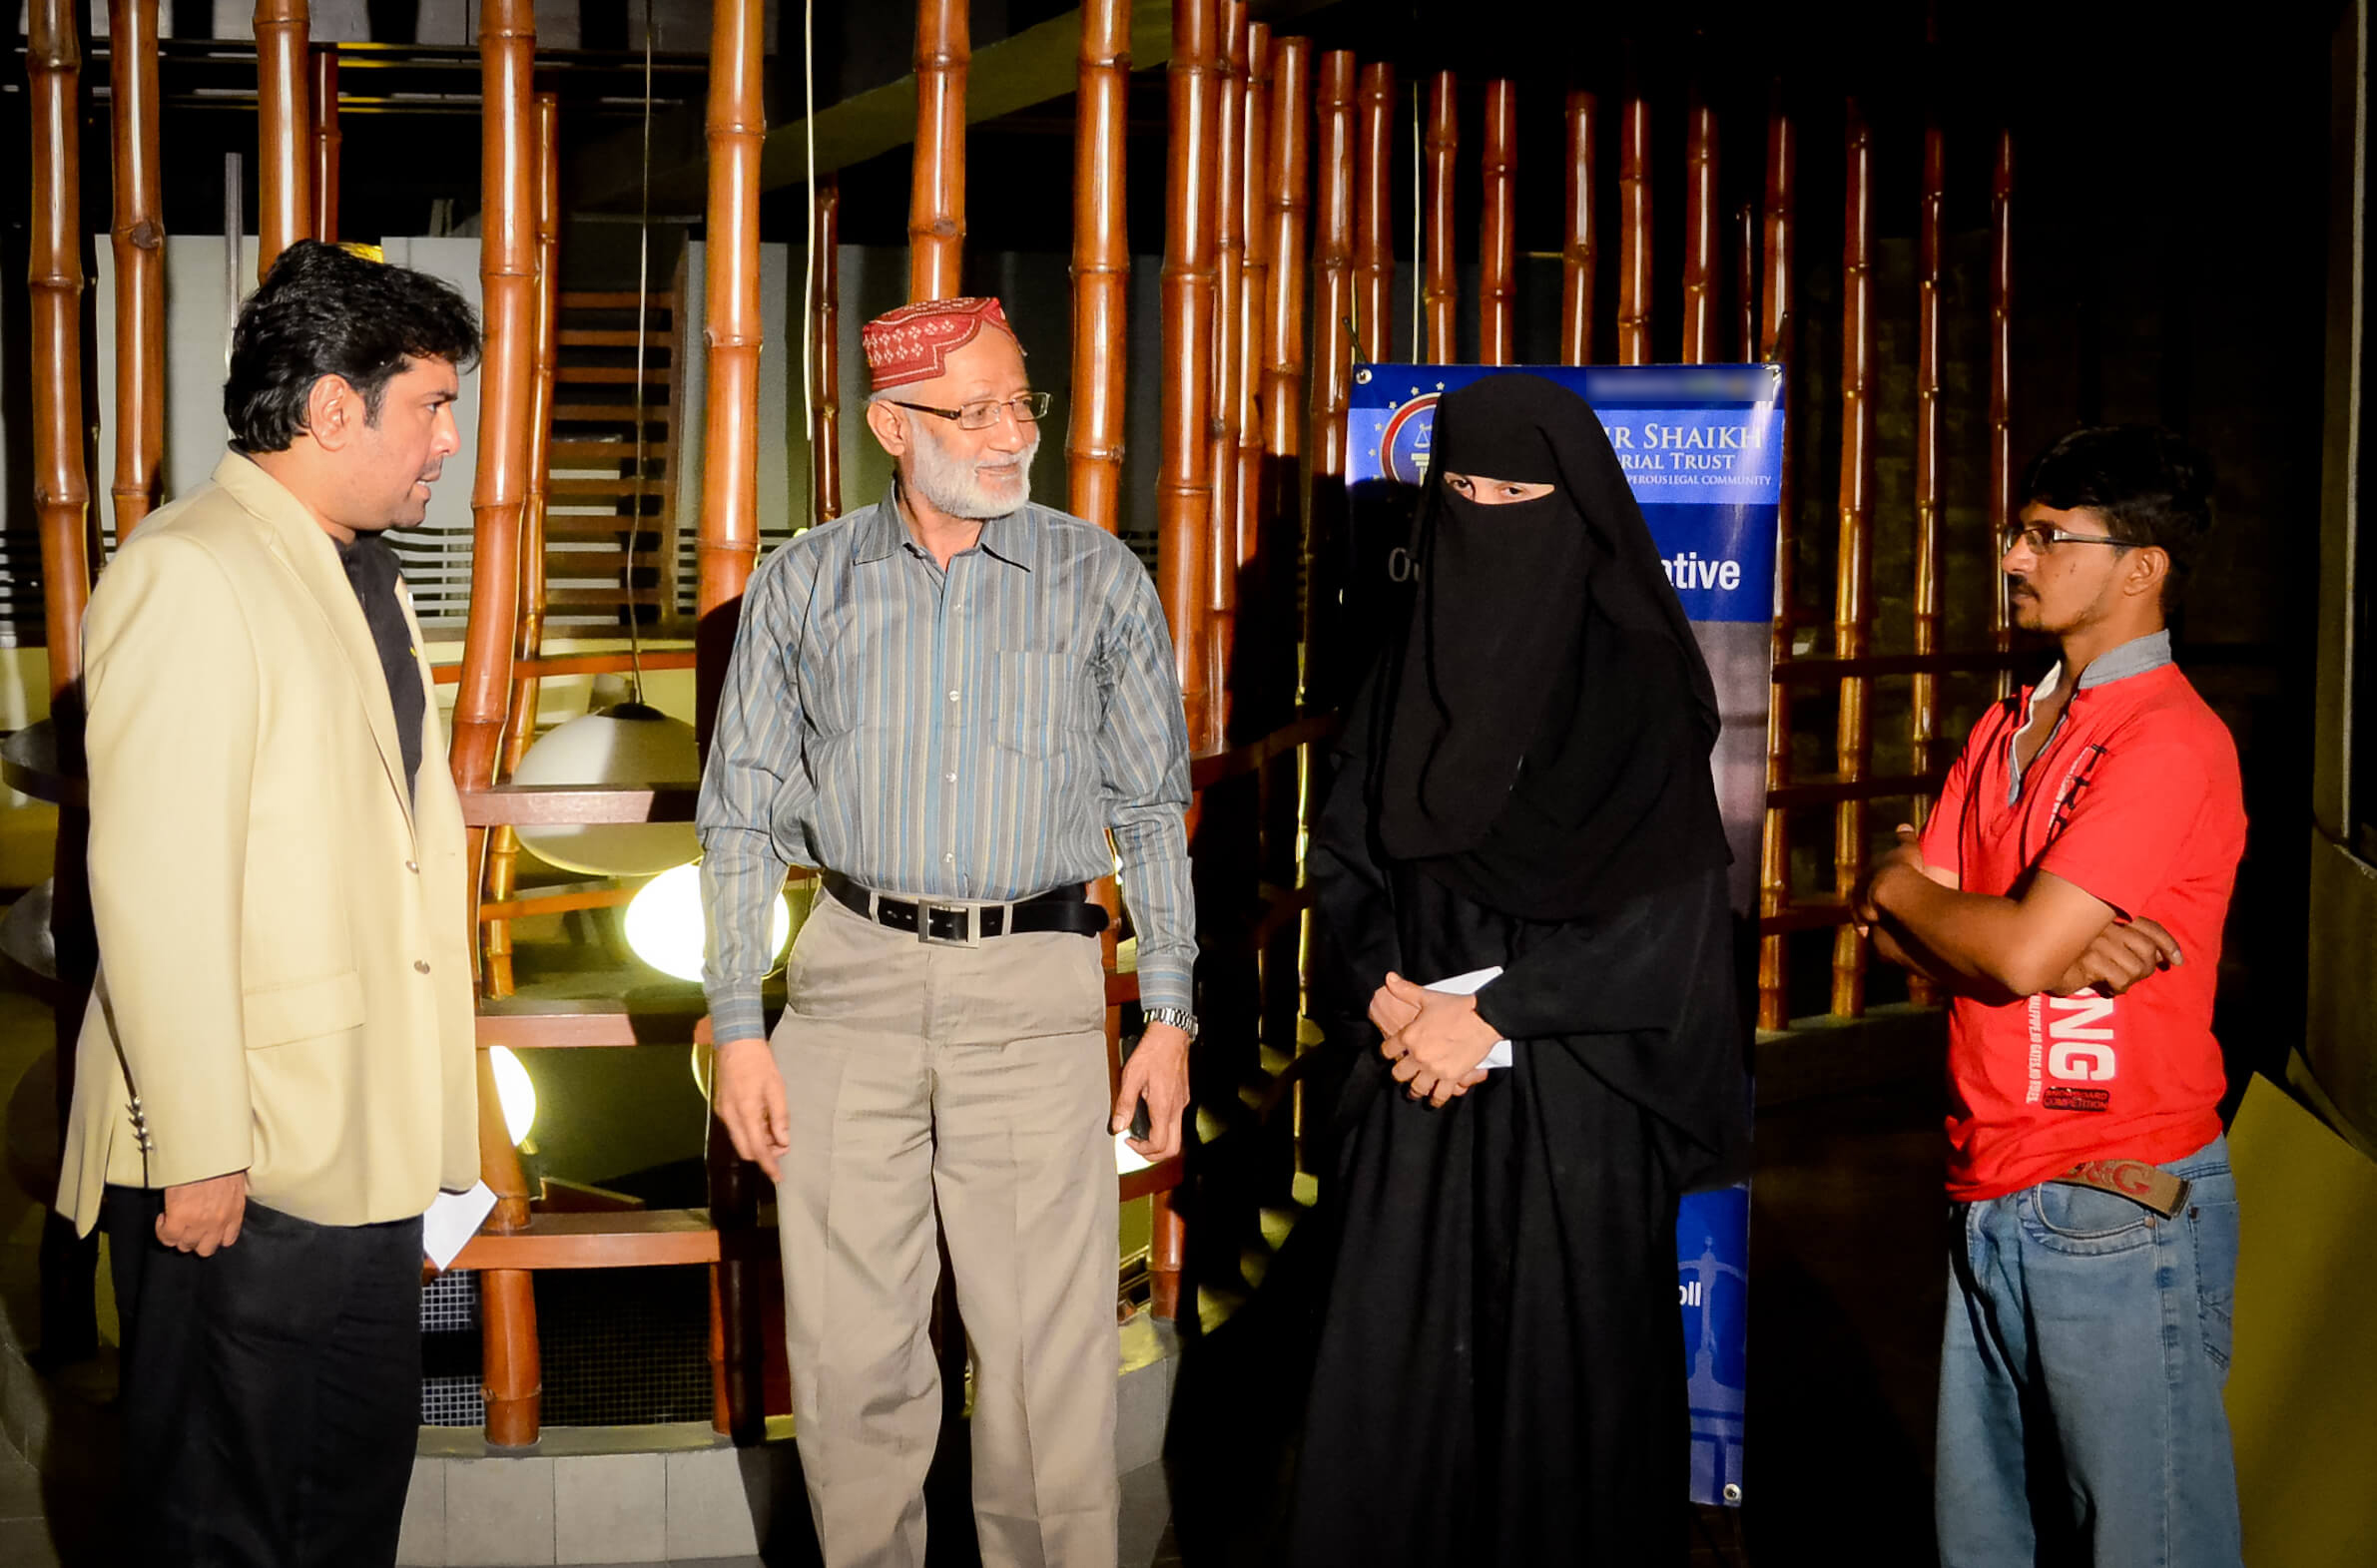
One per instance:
(453, 1218)
(1469, 985)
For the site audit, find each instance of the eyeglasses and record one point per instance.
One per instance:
(1027, 409)
(2038, 539)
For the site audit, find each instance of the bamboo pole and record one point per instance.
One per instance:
(936, 193)
(1101, 266)
(1497, 228)
(139, 236)
(1374, 217)
(1633, 232)
(1745, 282)
(1229, 280)
(1333, 354)
(1288, 194)
(2003, 502)
(1184, 485)
(1442, 293)
(61, 509)
(1576, 257)
(1930, 247)
(728, 538)
(1774, 325)
(507, 277)
(326, 142)
(284, 170)
(825, 418)
(1701, 233)
(519, 730)
(1852, 610)
(1254, 304)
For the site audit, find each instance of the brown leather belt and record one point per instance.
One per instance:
(953, 924)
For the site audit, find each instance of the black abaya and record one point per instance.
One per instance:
(1498, 1376)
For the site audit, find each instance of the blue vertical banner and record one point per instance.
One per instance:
(1702, 447)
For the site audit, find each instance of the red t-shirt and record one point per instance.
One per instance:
(2135, 797)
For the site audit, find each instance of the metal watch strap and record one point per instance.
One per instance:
(1179, 1019)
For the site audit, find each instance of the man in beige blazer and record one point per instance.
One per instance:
(276, 1074)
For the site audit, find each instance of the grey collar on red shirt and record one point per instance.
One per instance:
(2135, 657)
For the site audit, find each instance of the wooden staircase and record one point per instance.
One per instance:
(593, 533)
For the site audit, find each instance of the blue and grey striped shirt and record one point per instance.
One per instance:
(973, 735)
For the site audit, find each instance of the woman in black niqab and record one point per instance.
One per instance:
(1524, 783)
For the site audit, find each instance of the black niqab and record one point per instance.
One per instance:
(1544, 730)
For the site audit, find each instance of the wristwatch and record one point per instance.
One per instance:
(1179, 1019)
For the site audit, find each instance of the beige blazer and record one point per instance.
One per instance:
(283, 937)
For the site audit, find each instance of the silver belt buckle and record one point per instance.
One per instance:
(968, 934)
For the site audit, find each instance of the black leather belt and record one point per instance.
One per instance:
(966, 924)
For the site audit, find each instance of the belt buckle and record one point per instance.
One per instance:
(967, 934)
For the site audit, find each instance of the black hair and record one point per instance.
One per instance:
(324, 311)
(2148, 484)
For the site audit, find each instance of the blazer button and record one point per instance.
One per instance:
(422, 964)
(414, 866)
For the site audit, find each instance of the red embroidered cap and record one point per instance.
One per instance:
(914, 343)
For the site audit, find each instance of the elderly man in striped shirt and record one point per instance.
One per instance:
(947, 702)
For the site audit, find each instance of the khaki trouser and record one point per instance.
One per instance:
(973, 1079)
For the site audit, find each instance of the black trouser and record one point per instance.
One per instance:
(272, 1393)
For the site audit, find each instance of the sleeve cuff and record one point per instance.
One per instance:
(734, 1018)
(1166, 986)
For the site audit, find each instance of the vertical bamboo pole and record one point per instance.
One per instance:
(1701, 233)
(1288, 193)
(1497, 228)
(936, 193)
(1852, 612)
(519, 729)
(1634, 230)
(1374, 217)
(1744, 348)
(1442, 293)
(1333, 354)
(1229, 281)
(1576, 257)
(507, 278)
(1184, 487)
(1254, 302)
(285, 169)
(1774, 330)
(326, 142)
(728, 542)
(140, 261)
(1930, 245)
(2003, 502)
(61, 509)
(1101, 266)
(825, 417)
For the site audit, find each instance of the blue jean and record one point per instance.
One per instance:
(2086, 1344)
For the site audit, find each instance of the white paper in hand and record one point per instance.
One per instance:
(1469, 985)
(452, 1220)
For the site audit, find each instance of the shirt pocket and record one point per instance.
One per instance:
(1039, 700)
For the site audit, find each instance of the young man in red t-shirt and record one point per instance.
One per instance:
(2068, 893)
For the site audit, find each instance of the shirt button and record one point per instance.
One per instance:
(422, 964)
(950, 857)
(948, 779)
(414, 866)
(953, 697)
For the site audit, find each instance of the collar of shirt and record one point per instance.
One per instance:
(2135, 657)
(879, 530)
